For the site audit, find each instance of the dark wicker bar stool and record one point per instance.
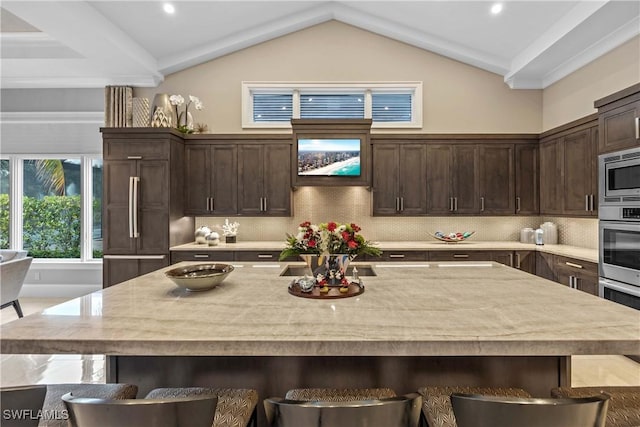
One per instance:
(624, 402)
(236, 407)
(436, 401)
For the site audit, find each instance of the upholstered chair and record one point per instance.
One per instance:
(13, 270)
(624, 402)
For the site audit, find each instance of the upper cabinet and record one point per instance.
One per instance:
(527, 177)
(472, 178)
(211, 184)
(619, 120)
(399, 179)
(264, 184)
(568, 169)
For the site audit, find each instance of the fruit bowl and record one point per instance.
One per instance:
(199, 277)
(452, 237)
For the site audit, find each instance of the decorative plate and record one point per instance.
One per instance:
(452, 237)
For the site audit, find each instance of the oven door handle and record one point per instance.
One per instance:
(618, 286)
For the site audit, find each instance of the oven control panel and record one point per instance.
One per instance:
(630, 213)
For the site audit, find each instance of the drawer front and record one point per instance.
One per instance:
(453, 255)
(577, 266)
(149, 149)
(399, 256)
(179, 256)
(257, 256)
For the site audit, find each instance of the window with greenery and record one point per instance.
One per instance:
(51, 208)
(96, 204)
(5, 179)
(389, 105)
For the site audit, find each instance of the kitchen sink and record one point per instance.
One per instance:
(301, 270)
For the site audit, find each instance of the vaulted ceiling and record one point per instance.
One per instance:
(96, 43)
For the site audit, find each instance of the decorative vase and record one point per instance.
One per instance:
(336, 267)
(162, 112)
(141, 113)
(312, 262)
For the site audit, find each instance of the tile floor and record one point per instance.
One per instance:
(599, 370)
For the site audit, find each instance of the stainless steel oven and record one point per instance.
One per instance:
(620, 250)
(622, 293)
(619, 177)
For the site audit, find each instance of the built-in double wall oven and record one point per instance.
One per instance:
(619, 214)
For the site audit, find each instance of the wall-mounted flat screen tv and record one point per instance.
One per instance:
(328, 157)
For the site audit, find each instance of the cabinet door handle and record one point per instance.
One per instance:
(517, 204)
(451, 204)
(396, 255)
(265, 204)
(637, 127)
(261, 204)
(134, 157)
(455, 203)
(265, 255)
(200, 256)
(130, 206)
(571, 264)
(593, 203)
(136, 185)
(213, 206)
(518, 266)
(586, 203)
(511, 259)
(397, 204)
(401, 204)
(460, 255)
(571, 282)
(481, 204)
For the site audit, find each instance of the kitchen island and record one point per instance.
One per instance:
(416, 324)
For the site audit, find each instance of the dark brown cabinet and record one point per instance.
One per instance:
(619, 120)
(525, 261)
(211, 180)
(580, 173)
(496, 179)
(142, 213)
(527, 179)
(576, 274)
(568, 172)
(399, 179)
(470, 179)
(502, 257)
(264, 183)
(452, 182)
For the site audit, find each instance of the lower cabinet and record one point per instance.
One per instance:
(117, 269)
(577, 274)
(525, 261)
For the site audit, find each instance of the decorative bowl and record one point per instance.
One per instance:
(452, 237)
(199, 277)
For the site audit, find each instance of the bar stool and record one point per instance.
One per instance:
(236, 407)
(436, 401)
(399, 411)
(624, 402)
(193, 411)
(22, 403)
(53, 403)
(338, 394)
(472, 410)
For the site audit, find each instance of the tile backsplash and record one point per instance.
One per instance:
(353, 204)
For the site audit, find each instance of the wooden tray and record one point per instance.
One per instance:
(334, 291)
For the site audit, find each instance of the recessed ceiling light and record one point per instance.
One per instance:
(496, 8)
(168, 7)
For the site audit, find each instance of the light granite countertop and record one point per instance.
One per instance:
(584, 254)
(426, 309)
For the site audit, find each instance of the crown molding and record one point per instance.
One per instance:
(57, 117)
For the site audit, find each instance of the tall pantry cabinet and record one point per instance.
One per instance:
(142, 206)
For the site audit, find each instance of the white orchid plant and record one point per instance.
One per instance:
(178, 101)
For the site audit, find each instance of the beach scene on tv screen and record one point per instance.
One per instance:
(329, 157)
